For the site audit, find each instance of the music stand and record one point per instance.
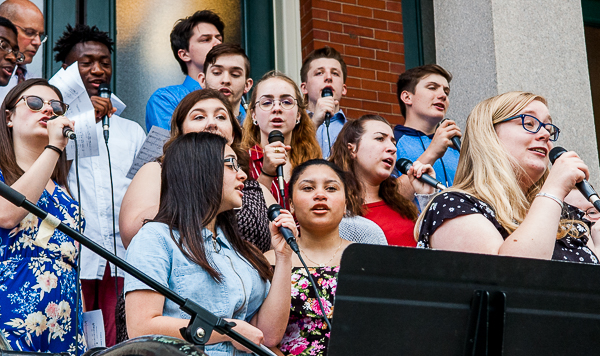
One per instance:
(403, 301)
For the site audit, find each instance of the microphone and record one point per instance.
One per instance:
(324, 94)
(584, 186)
(104, 92)
(273, 212)
(67, 132)
(403, 165)
(455, 139)
(277, 136)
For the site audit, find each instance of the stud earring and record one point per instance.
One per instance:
(255, 122)
(9, 124)
(297, 121)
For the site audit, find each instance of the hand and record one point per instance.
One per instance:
(278, 243)
(323, 106)
(252, 333)
(567, 170)
(274, 155)
(415, 172)
(443, 138)
(55, 131)
(102, 106)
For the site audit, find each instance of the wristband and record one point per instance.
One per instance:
(267, 174)
(55, 149)
(550, 196)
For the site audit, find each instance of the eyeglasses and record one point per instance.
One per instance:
(234, 163)
(35, 103)
(31, 33)
(19, 57)
(286, 103)
(592, 214)
(533, 124)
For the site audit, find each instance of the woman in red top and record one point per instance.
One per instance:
(367, 148)
(277, 104)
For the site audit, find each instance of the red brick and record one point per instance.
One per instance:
(377, 107)
(388, 97)
(394, 119)
(372, 23)
(343, 38)
(321, 35)
(321, 44)
(388, 36)
(373, 4)
(353, 82)
(336, 17)
(376, 86)
(367, 42)
(390, 57)
(373, 64)
(354, 114)
(362, 94)
(352, 103)
(397, 67)
(395, 26)
(360, 52)
(321, 14)
(386, 15)
(352, 61)
(357, 10)
(326, 25)
(362, 73)
(395, 47)
(387, 77)
(326, 5)
(394, 6)
(358, 31)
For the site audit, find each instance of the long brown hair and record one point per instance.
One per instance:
(187, 103)
(304, 136)
(190, 196)
(352, 132)
(8, 162)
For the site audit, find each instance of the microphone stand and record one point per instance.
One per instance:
(202, 322)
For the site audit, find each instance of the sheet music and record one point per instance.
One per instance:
(151, 149)
(87, 138)
(93, 329)
(117, 103)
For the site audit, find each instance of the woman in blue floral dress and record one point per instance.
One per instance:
(37, 262)
(319, 199)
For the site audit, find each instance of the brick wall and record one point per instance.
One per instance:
(368, 33)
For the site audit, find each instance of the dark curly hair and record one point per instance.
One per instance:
(79, 34)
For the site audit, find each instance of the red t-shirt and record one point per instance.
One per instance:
(397, 229)
(256, 163)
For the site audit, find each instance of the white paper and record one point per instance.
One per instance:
(69, 82)
(93, 329)
(151, 149)
(87, 138)
(117, 103)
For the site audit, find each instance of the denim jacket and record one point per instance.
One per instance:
(239, 295)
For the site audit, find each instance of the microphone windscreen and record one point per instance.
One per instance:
(555, 153)
(273, 211)
(104, 90)
(403, 165)
(275, 136)
(326, 92)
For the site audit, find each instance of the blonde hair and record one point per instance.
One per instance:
(304, 136)
(488, 172)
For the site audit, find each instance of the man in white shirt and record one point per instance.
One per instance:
(92, 48)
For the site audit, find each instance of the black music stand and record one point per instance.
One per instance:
(403, 301)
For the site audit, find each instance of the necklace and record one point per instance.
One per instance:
(326, 263)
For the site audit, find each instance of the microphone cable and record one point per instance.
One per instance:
(112, 195)
(78, 251)
(327, 122)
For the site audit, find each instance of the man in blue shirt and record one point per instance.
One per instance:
(423, 97)
(227, 69)
(325, 68)
(191, 39)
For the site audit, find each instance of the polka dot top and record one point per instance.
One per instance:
(454, 204)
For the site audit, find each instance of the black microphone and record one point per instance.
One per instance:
(277, 136)
(67, 132)
(403, 165)
(455, 139)
(273, 212)
(326, 92)
(104, 92)
(584, 186)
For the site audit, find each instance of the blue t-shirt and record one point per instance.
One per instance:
(411, 144)
(239, 295)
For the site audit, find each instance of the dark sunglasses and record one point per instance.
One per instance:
(35, 103)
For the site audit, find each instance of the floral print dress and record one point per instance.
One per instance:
(307, 333)
(37, 281)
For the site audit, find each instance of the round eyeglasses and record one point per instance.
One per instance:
(5, 46)
(35, 103)
(286, 103)
(533, 124)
